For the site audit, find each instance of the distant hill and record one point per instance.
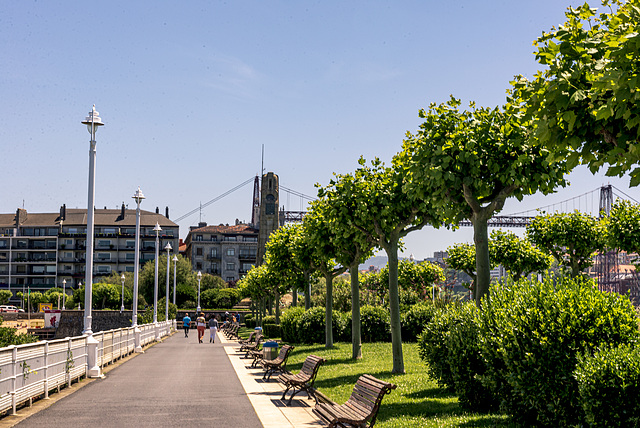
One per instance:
(378, 261)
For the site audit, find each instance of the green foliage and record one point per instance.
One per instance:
(570, 238)
(434, 349)
(184, 276)
(583, 104)
(249, 321)
(467, 162)
(186, 296)
(417, 277)
(5, 295)
(269, 319)
(624, 226)
(606, 381)
(271, 331)
(8, 337)
(311, 326)
(289, 323)
(375, 324)
(227, 298)
(530, 337)
(415, 319)
(518, 256)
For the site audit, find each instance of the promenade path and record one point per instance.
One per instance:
(177, 382)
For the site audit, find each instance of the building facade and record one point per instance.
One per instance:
(40, 250)
(226, 251)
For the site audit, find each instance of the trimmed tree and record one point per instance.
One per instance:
(467, 163)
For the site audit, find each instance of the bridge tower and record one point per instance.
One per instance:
(607, 260)
(269, 212)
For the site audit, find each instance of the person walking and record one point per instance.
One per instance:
(186, 323)
(200, 325)
(213, 328)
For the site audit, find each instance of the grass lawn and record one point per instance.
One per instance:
(417, 402)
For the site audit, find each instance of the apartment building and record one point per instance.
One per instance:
(40, 250)
(223, 250)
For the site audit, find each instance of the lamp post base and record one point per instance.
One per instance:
(138, 346)
(93, 369)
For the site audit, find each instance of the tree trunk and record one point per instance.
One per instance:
(483, 265)
(328, 315)
(294, 298)
(277, 299)
(307, 291)
(269, 305)
(394, 305)
(356, 340)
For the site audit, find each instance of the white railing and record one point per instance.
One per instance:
(33, 370)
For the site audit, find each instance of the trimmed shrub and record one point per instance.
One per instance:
(433, 347)
(342, 326)
(289, 322)
(375, 324)
(269, 319)
(249, 321)
(311, 328)
(415, 319)
(530, 336)
(271, 331)
(607, 382)
(227, 298)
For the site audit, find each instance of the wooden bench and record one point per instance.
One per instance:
(304, 379)
(231, 332)
(249, 340)
(252, 347)
(279, 364)
(362, 406)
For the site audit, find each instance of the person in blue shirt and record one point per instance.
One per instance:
(186, 323)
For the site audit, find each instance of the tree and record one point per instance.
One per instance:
(279, 251)
(584, 103)
(571, 239)
(302, 253)
(462, 257)
(417, 277)
(467, 163)
(5, 295)
(624, 227)
(352, 248)
(185, 275)
(518, 256)
(384, 212)
(321, 240)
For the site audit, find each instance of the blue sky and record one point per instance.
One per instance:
(190, 91)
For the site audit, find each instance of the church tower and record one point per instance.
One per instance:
(269, 212)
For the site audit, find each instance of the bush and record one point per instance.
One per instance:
(433, 347)
(375, 324)
(227, 298)
(342, 326)
(289, 323)
(606, 383)
(271, 331)
(415, 319)
(249, 322)
(530, 336)
(269, 319)
(311, 328)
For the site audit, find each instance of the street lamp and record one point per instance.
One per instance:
(175, 261)
(92, 121)
(166, 296)
(122, 306)
(138, 196)
(64, 294)
(199, 276)
(156, 229)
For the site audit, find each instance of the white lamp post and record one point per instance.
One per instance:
(175, 270)
(64, 294)
(122, 294)
(138, 196)
(166, 296)
(156, 229)
(92, 121)
(199, 276)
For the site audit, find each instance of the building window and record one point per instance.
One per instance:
(3, 243)
(247, 266)
(104, 243)
(231, 251)
(248, 252)
(68, 242)
(230, 278)
(131, 244)
(109, 230)
(198, 251)
(214, 252)
(231, 266)
(198, 265)
(250, 239)
(104, 269)
(230, 238)
(128, 268)
(103, 256)
(198, 238)
(130, 256)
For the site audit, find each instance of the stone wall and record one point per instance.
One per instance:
(72, 322)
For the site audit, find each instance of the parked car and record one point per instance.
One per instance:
(10, 308)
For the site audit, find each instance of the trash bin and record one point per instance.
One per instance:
(258, 330)
(270, 350)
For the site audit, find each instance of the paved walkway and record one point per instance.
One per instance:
(177, 382)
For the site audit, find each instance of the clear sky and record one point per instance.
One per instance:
(190, 91)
